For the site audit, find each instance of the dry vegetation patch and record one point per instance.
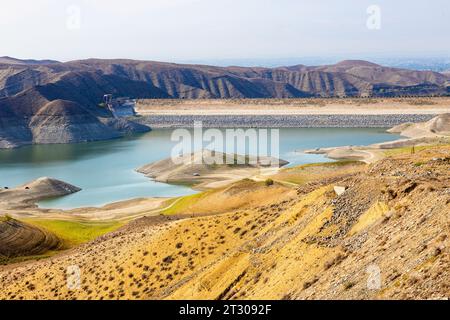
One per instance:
(311, 244)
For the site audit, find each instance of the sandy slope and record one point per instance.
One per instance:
(124, 210)
(385, 237)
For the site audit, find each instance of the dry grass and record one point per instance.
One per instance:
(315, 245)
(74, 233)
(240, 195)
(310, 172)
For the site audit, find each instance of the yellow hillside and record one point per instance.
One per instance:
(276, 242)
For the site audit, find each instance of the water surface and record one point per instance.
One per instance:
(106, 170)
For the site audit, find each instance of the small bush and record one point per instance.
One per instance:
(308, 284)
(334, 261)
(269, 182)
(5, 218)
(349, 284)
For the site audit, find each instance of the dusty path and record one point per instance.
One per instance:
(398, 106)
(120, 211)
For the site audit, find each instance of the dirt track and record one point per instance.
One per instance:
(395, 106)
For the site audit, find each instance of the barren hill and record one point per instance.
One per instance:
(32, 192)
(21, 239)
(385, 236)
(10, 60)
(206, 168)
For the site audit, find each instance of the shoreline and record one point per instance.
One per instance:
(435, 131)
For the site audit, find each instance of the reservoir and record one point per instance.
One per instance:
(106, 170)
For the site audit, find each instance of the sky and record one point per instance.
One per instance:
(206, 30)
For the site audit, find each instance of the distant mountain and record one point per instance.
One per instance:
(36, 96)
(437, 64)
(431, 63)
(9, 60)
(144, 79)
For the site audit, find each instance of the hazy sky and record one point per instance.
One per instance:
(179, 30)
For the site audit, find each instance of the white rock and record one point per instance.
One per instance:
(339, 190)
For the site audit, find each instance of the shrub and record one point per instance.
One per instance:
(5, 218)
(349, 284)
(269, 182)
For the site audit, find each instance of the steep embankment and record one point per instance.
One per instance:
(385, 236)
(21, 239)
(62, 121)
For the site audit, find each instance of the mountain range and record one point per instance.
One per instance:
(46, 101)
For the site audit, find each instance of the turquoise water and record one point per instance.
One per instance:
(106, 170)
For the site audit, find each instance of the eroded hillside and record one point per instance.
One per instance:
(22, 239)
(386, 236)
